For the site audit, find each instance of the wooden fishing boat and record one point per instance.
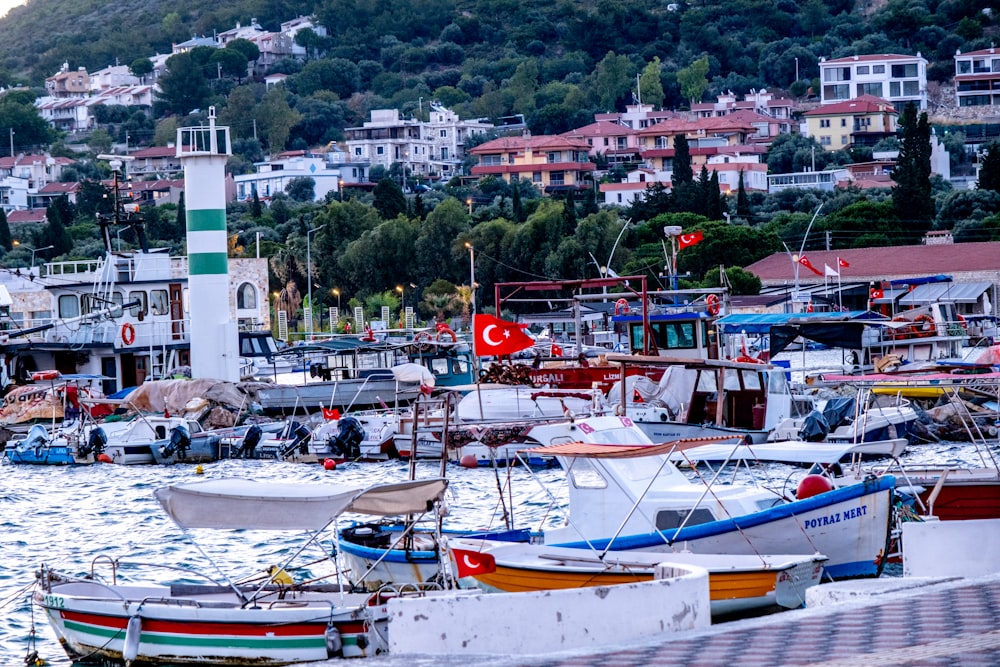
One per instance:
(737, 583)
(275, 622)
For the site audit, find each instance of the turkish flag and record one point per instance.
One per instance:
(685, 240)
(842, 263)
(555, 351)
(804, 261)
(470, 563)
(495, 337)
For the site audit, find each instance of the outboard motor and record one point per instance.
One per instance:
(347, 441)
(301, 440)
(180, 442)
(250, 442)
(814, 427)
(96, 442)
(37, 438)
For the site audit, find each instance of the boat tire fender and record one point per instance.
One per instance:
(133, 633)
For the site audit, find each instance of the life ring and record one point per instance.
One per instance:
(128, 333)
(446, 332)
(621, 307)
(422, 340)
(923, 326)
(962, 323)
(712, 304)
(44, 375)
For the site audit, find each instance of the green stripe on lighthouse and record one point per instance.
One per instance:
(205, 263)
(209, 220)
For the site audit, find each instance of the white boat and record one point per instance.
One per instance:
(737, 583)
(276, 622)
(851, 419)
(800, 452)
(625, 494)
(132, 443)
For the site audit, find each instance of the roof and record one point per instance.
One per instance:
(871, 57)
(30, 215)
(508, 144)
(731, 122)
(981, 52)
(590, 450)
(948, 291)
(862, 104)
(761, 323)
(602, 128)
(884, 263)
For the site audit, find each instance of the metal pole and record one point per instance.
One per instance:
(309, 287)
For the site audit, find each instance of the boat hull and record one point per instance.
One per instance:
(47, 456)
(91, 621)
(354, 394)
(850, 525)
(965, 493)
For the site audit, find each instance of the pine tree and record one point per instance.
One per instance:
(569, 214)
(713, 199)
(255, 208)
(389, 199)
(682, 161)
(911, 197)
(742, 201)
(989, 168)
(6, 242)
(516, 205)
(59, 214)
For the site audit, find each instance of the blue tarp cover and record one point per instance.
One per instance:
(761, 323)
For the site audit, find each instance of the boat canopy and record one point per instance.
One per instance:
(843, 330)
(233, 503)
(761, 323)
(590, 450)
(953, 292)
(801, 452)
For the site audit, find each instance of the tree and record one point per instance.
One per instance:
(255, 207)
(613, 80)
(183, 87)
(249, 50)
(693, 79)
(229, 62)
(650, 86)
(911, 195)
(440, 239)
(989, 172)
(389, 199)
(569, 213)
(742, 200)
(140, 67)
(59, 215)
(276, 118)
(301, 189)
(682, 160)
(6, 242)
(517, 209)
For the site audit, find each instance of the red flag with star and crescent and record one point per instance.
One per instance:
(804, 261)
(687, 240)
(495, 337)
(842, 263)
(470, 563)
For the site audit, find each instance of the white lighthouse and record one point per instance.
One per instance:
(204, 152)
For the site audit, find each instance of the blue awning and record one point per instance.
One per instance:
(761, 323)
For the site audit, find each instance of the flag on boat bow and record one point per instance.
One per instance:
(470, 563)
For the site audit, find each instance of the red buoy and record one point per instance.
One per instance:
(104, 458)
(813, 485)
(469, 461)
(329, 464)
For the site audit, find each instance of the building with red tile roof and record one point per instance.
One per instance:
(551, 162)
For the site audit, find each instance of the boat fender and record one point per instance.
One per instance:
(334, 644)
(133, 633)
(446, 332)
(813, 485)
(128, 333)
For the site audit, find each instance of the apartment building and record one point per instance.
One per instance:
(900, 79)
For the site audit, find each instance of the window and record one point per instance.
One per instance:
(904, 71)
(444, 153)
(536, 177)
(894, 89)
(843, 140)
(40, 317)
(357, 151)
(824, 141)
(246, 296)
(870, 89)
(878, 69)
(964, 67)
(380, 150)
(557, 178)
(838, 92)
(585, 476)
(843, 122)
(69, 306)
(158, 302)
(444, 134)
(837, 74)
(862, 69)
(911, 88)
(142, 308)
(824, 122)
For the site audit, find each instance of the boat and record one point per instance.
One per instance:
(273, 622)
(133, 442)
(705, 397)
(799, 452)
(66, 446)
(122, 317)
(737, 583)
(625, 495)
(863, 418)
(185, 447)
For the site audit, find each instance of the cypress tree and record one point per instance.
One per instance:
(911, 196)
(989, 168)
(6, 241)
(682, 161)
(742, 200)
(713, 200)
(569, 214)
(518, 208)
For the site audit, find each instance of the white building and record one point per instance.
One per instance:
(900, 79)
(432, 149)
(331, 172)
(293, 27)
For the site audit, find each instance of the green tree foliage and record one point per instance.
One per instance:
(613, 81)
(276, 118)
(861, 224)
(392, 243)
(18, 112)
(439, 250)
(301, 189)
(739, 281)
(911, 196)
(389, 199)
(650, 85)
(59, 215)
(693, 79)
(682, 172)
(183, 87)
(141, 67)
(229, 62)
(6, 240)
(795, 152)
(742, 201)
(728, 245)
(989, 168)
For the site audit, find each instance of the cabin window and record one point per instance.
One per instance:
(246, 297)
(585, 476)
(143, 306)
(69, 306)
(438, 366)
(459, 366)
(40, 317)
(670, 519)
(751, 380)
(158, 302)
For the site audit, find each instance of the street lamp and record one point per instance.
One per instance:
(340, 189)
(472, 280)
(402, 301)
(469, 202)
(336, 293)
(18, 244)
(309, 275)
(796, 69)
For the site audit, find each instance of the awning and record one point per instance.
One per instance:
(761, 323)
(564, 315)
(954, 292)
(231, 503)
(589, 450)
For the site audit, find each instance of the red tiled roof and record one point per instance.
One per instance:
(31, 215)
(886, 263)
(59, 188)
(714, 124)
(601, 128)
(872, 56)
(154, 152)
(981, 52)
(860, 104)
(543, 142)
(9, 162)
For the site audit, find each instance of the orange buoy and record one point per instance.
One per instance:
(104, 458)
(813, 485)
(329, 464)
(469, 461)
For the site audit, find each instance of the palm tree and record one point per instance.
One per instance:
(440, 304)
